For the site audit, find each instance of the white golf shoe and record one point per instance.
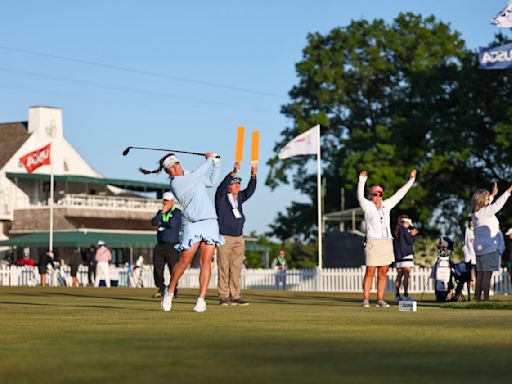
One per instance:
(200, 305)
(166, 302)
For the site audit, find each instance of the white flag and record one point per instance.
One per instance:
(504, 18)
(304, 144)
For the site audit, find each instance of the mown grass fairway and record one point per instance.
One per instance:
(86, 335)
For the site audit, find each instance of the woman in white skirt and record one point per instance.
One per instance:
(379, 238)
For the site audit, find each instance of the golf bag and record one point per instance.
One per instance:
(442, 275)
(445, 273)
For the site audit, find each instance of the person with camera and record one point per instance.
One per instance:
(405, 236)
(379, 239)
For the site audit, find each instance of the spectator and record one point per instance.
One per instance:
(489, 242)
(405, 236)
(168, 221)
(379, 240)
(44, 260)
(469, 252)
(103, 257)
(280, 266)
(228, 206)
(509, 261)
(91, 263)
(75, 262)
(9, 257)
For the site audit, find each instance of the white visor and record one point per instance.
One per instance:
(169, 161)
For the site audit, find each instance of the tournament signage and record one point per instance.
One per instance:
(36, 159)
(496, 58)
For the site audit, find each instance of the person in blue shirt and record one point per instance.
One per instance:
(168, 221)
(200, 229)
(228, 204)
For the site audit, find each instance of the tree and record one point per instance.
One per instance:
(389, 98)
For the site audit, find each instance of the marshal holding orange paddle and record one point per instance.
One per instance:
(229, 200)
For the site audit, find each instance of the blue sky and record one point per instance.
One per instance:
(226, 63)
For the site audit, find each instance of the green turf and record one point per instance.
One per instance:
(86, 335)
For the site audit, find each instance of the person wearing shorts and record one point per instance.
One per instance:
(469, 252)
(405, 236)
(379, 239)
(200, 228)
(489, 243)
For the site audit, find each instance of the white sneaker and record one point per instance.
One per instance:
(382, 304)
(166, 302)
(200, 305)
(366, 304)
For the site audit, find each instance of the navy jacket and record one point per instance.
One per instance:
(168, 231)
(402, 245)
(228, 224)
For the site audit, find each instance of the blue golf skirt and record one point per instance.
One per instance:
(195, 232)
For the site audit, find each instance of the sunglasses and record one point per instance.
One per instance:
(377, 194)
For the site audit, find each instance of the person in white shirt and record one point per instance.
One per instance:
(379, 238)
(469, 252)
(489, 243)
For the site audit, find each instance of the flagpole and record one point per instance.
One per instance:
(319, 198)
(50, 247)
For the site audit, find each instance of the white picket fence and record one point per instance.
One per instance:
(300, 280)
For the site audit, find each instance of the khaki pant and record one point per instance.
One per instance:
(230, 258)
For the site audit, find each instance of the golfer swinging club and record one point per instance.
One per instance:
(199, 223)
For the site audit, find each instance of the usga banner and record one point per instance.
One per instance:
(496, 58)
(37, 158)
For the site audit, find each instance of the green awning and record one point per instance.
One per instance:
(83, 239)
(133, 185)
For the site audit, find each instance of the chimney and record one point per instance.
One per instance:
(45, 123)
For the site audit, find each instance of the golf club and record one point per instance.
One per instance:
(127, 150)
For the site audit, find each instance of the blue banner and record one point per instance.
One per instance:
(496, 58)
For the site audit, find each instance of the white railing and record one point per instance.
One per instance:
(109, 202)
(300, 280)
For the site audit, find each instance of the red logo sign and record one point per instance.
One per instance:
(37, 158)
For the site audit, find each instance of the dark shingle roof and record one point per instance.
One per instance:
(12, 136)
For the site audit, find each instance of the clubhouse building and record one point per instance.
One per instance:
(87, 207)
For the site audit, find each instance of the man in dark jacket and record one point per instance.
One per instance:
(168, 221)
(230, 256)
